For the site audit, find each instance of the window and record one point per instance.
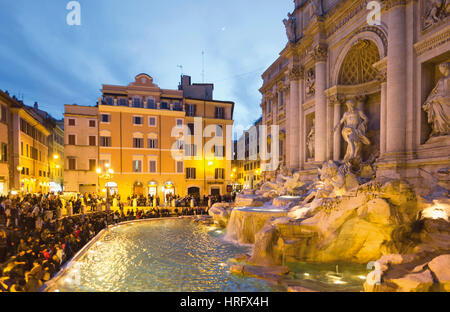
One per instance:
(219, 151)
(219, 131)
(21, 148)
(180, 167)
(137, 102)
(191, 128)
(153, 143)
(151, 103)
(92, 164)
(108, 101)
(281, 95)
(92, 141)
(72, 140)
(4, 152)
(219, 113)
(152, 166)
(123, 102)
(137, 120)
(92, 123)
(137, 165)
(106, 118)
(191, 110)
(3, 113)
(164, 105)
(268, 106)
(180, 123)
(191, 150)
(138, 142)
(177, 106)
(190, 173)
(72, 164)
(180, 144)
(71, 122)
(152, 121)
(105, 141)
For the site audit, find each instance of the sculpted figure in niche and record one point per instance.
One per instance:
(310, 82)
(290, 24)
(311, 140)
(354, 131)
(437, 106)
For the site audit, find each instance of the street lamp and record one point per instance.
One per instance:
(108, 175)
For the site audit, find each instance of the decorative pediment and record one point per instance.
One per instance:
(143, 80)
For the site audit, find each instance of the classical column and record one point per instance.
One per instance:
(396, 79)
(293, 117)
(381, 77)
(320, 57)
(301, 138)
(336, 101)
(330, 113)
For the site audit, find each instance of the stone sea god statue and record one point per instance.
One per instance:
(437, 105)
(290, 24)
(354, 131)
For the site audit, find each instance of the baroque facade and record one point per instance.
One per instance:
(358, 89)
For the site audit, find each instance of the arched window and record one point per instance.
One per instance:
(137, 102)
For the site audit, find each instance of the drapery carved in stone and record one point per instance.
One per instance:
(437, 106)
(357, 66)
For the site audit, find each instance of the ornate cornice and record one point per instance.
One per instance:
(433, 41)
(390, 4)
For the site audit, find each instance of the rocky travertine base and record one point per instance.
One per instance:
(376, 221)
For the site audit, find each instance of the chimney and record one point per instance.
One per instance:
(36, 105)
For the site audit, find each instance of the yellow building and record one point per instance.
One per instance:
(143, 133)
(5, 119)
(29, 150)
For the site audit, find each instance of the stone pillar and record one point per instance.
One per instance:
(320, 57)
(337, 135)
(330, 137)
(301, 138)
(381, 77)
(293, 118)
(396, 80)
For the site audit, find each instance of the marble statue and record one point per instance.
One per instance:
(437, 10)
(290, 24)
(354, 131)
(310, 82)
(437, 105)
(311, 140)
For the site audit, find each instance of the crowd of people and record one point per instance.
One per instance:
(39, 233)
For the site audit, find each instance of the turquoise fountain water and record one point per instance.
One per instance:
(160, 255)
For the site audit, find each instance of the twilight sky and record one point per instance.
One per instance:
(45, 60)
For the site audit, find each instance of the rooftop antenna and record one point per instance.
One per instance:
(203, 66)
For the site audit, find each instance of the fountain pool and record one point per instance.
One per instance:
(157, 255)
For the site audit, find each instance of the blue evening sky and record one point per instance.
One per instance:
(43, 59)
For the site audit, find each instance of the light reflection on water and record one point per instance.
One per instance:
(166, 255)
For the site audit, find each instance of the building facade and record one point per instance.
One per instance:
(247, 171)
(395, 71)
(80, 149)
(152, 141)
(5, 144)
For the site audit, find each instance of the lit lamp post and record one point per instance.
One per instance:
(107, 175)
